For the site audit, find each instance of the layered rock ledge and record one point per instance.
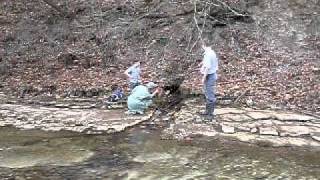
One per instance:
(265, 127)
(62, 117)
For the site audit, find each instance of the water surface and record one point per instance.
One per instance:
(141, 154)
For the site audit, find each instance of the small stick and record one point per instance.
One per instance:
(243, 94)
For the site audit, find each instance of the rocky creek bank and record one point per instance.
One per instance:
(84, 115)
(263, 127)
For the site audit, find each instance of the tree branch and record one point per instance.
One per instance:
(196, 23)
(55, 7)
(232, 10)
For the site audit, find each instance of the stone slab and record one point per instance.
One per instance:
(294, 131)
(258, 115)
(227, 129)
(235, 117)
(55, 119)
(268, 131)
(275, 141)
(317, 138)
(221, 111)
(284, 116)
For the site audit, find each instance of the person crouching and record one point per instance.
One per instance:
(141, 98)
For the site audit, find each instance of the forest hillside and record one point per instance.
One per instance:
(268, 49)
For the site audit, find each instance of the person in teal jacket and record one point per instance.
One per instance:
(141, 98)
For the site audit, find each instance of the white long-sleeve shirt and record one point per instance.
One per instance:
(209, 62)
(134, 72)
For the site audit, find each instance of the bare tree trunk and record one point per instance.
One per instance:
(57, 8)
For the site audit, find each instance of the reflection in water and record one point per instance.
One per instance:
(30, 148)
(142, 155)
(218, 159)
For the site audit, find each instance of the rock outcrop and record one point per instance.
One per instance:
(272, 127)
(89, 121)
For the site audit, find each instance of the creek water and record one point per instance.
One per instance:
(141, 154)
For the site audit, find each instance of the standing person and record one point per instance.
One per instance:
(209, 67)
(133, 73)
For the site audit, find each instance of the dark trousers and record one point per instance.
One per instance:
(209, 92)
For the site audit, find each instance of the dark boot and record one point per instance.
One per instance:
(205, 113)
(210, 111)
